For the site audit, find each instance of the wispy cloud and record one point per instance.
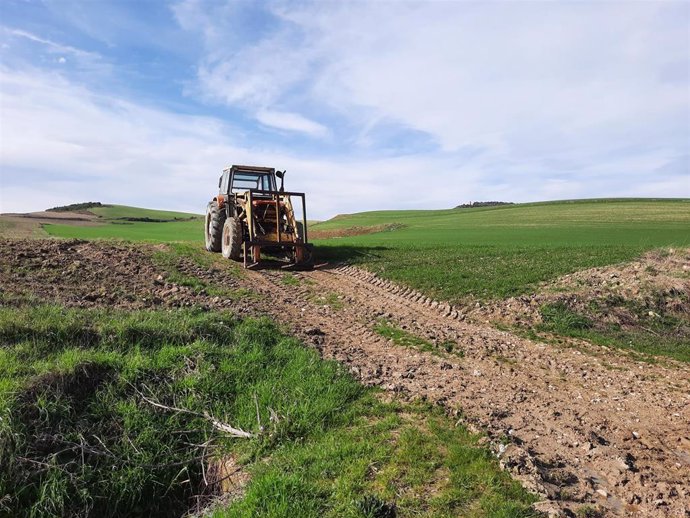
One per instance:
(291, 122)
(20, 47)
(526, 84)
(52, 46)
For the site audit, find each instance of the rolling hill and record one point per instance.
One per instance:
(450, 254)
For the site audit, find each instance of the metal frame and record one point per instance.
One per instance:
(276, 197)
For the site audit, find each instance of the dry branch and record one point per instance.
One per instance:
(218, 425)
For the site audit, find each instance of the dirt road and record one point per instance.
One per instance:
(576, 424)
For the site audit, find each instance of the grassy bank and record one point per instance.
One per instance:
(82, 430)
(654, 333)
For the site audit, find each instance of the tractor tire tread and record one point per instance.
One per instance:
(215, 219)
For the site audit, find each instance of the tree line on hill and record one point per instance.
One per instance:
(76, 206)
(475, 204)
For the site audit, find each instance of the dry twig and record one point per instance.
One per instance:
(218, 425)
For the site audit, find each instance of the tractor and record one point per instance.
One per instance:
(251, 215)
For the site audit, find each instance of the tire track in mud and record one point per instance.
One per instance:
(575, 427)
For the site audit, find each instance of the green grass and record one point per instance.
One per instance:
(656, 334)
(401, 337)
(329, 299)
(171, 259)
(408, 458)
(133, 231)
(177, 226)
(404, 338)
(502, 251)
(289, 279)
(77, 436)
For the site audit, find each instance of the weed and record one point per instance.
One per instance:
(330, 299)
(401, 337)
(589, 511)
(289, 279)
(370, 506)
(561, 318)
(449, 346)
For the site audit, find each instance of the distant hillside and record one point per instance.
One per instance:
(474, 204)
(77, 206)
(96, 220)
(126, 213)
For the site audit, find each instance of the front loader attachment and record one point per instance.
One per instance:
(271, 226)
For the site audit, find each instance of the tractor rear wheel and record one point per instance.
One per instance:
(232, 238)
(213, 227)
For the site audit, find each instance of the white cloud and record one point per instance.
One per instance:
(582, 85)
(291, 122)
(71, 144)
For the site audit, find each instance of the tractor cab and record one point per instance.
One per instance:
(240, 179)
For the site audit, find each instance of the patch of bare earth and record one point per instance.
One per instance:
(225, 481)
(317, 233)
(80, 273)
(659, 280)
(604, 429)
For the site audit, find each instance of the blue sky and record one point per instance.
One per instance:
(368, 105)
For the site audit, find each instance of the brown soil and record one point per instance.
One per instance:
(85, 274)
(578, 428)
(316, 233)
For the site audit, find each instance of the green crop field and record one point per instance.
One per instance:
(133, 231)
(130, 223)
(458, 253)
(502, 251)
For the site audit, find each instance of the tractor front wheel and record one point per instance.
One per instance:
(304, 257)
(232, 238)
(213, 227)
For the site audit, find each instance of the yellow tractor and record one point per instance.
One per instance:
(251, 215)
